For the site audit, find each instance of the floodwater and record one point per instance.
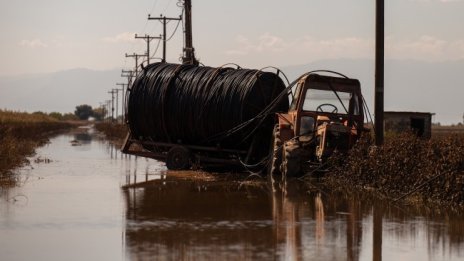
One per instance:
(92, 203)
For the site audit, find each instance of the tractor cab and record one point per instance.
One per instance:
(326, 115)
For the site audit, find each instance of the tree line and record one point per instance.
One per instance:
(82, 112)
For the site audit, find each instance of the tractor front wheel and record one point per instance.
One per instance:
(275, 155)
(291, 165)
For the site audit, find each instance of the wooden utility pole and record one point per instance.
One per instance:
(112, 104)
(128, 74)
(379, 70)
(108, 105)
(189, 51)
(123, 105)
(117, 99)
(103, 109)
(136, 57)
(148, 39)
(164, 20)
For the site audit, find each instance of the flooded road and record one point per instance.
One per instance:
(92, 203)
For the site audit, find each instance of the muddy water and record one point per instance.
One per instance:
(92, 203)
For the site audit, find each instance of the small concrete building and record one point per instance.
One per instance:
(401, 121)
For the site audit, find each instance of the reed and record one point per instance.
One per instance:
(20, 134)
(405, 167)
(115, 132)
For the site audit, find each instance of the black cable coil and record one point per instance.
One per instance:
(194, 105)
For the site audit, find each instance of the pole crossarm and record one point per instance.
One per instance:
(136, 57)
(164, 20)
(127, 73)
(147, 38)
(112, 92)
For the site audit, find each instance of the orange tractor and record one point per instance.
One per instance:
(326, 115)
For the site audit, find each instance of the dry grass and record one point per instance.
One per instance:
(115, 132)
(23, 117)
(443, 131)
(406, 167)
(20, 134)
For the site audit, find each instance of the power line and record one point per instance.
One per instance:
(156, 49)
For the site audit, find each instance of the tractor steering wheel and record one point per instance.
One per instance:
(319, 108)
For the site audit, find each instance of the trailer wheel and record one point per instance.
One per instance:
(178, 158)
(291, 165)
(275, 155)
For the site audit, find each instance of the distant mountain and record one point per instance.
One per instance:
(60, 91)
(409, 86)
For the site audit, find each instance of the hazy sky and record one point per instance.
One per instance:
(52, 35)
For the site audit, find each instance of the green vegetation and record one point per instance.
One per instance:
(99, 113)
(84, 112)
(20, 134)
(63, 117)
(405, 167)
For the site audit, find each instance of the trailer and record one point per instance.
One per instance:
(197, 116)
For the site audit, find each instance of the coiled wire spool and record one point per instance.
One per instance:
(189, 104)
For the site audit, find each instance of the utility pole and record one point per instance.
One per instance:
(105, 114)
(112, 104)
(379, 70)
(136, 56)
(164, 20)
(117, 99)
(102, 108)
(128, 74)
(148, 39)
(123, 105)
(108, 105)
(189, 51)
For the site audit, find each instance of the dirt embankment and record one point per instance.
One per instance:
(406, 168)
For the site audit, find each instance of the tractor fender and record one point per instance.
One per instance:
(285, 126)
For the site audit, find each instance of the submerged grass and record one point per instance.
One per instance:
(20, 134)
(405, 167)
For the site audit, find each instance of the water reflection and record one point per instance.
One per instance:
(172, 217)
(83, 138)
(75, 204)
